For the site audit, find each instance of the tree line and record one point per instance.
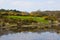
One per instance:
(37, 13)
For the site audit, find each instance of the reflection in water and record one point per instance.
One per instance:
(31, 36)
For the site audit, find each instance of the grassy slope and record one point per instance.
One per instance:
(38, 19)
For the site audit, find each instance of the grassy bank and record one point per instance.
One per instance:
(38, 19)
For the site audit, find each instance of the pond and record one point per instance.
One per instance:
(31, 36)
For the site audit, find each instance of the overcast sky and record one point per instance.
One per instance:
(30, 5)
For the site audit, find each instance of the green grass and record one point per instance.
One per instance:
(38, 19)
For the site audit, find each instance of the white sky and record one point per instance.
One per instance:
(30, 5)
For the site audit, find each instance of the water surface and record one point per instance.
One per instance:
(31, 36)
